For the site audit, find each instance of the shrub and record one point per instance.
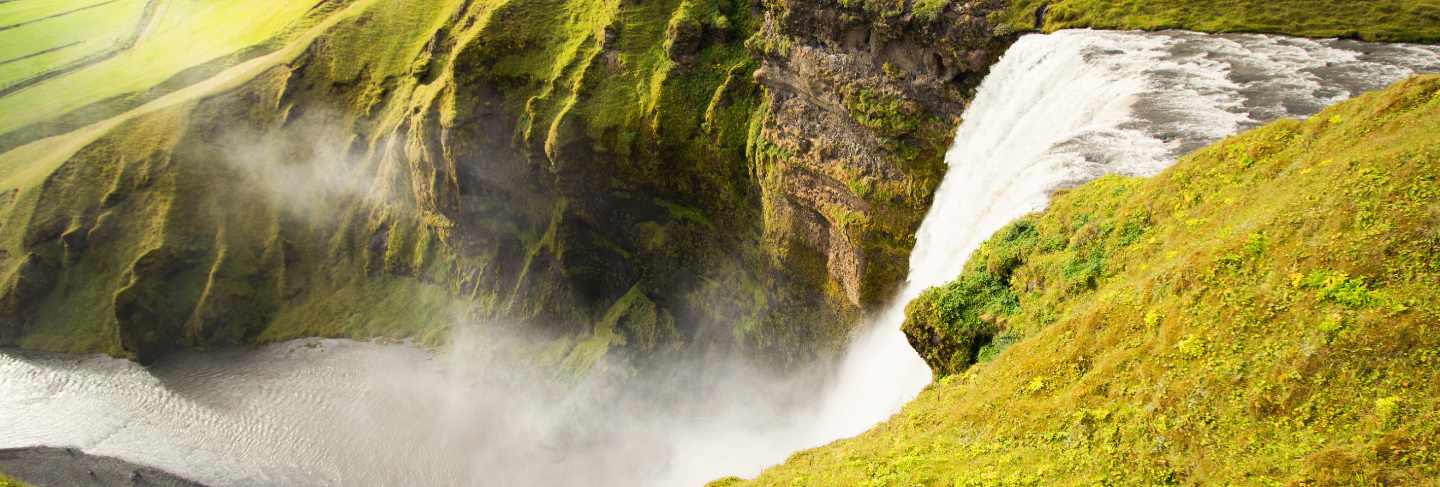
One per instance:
(950, 325)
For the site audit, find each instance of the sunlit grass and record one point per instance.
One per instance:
(67, 30)
(184, 34)
(1264, 313)
(1376, 20)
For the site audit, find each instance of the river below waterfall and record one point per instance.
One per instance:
(1058, 110)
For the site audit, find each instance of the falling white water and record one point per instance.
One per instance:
(1062, 109)
(1058, 110)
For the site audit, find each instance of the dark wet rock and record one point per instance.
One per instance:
(68, 467)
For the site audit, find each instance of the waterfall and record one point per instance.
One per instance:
(1058, 110)
(1065, 108)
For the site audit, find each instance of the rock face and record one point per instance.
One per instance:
(860, 108)
(56, 466)
(641, 177)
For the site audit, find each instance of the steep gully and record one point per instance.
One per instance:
(1058, 110)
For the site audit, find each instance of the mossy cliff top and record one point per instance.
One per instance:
(1264, 312)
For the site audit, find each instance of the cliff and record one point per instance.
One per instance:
(633, 176)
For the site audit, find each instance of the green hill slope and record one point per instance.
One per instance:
(1267, 312)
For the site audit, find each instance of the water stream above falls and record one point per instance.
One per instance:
(1058, 110)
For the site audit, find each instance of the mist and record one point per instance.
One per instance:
(313, 168)
(480, 411)
(330, 412)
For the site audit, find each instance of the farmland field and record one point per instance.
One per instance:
(58, 56)
(38, 35)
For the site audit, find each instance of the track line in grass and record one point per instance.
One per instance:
(38, 53)
(147, 16)
(17, 25)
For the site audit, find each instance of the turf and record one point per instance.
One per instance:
(181, 35)
(1263, 313)
(1375, 20)
(60, 32)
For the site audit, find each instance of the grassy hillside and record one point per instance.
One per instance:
(1263, 313)
(1378, 20)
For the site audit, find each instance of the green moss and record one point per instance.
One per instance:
(952, 325)
(7, 481)
(392, 307)
(1380, 20)
(1264, 315)
(885, 114)
(929, 9)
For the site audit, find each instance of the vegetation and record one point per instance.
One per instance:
(549, 161)
(126, 237)
(38, 36)
(1378, 20)
(1263, 313)
(6, 481)
(128, 52)
(131, 237)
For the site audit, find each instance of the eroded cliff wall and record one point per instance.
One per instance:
(618, 175)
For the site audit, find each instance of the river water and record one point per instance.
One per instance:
(1058, 110)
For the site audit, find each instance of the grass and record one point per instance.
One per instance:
(183, 34)
(66, 28)
(1376, 20)
(6, 481)
(1263, 313)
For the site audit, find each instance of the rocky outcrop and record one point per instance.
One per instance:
(55, 466)
(860, 109)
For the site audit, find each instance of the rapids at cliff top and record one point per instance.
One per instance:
(1058, 110)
